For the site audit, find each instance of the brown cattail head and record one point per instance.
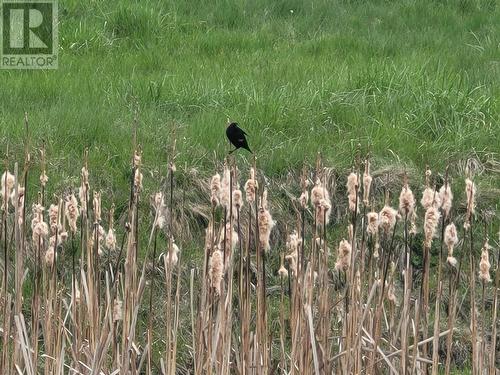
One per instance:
(406, 201)
(451, 239)
(237, 199)
(344, 256)
(53, 218)
(484, 264)
(282, 272)
(6, 185)
(431, 222)
(387, 218)
(216, 270)
(39, 228)
(367, 183)
(159, 208)
(430, 198)
(317, 193)
(470, 193)
(138, 177)
(172, 257)
(251, 187)
(225, 188)
(266, 223)
(352, 191)
(72, 212)
(215, 190)
(293, 245)
(304, 199)
(446, 198)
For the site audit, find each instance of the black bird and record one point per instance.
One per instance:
(236, 136)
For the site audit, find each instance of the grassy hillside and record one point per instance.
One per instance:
(416, 82)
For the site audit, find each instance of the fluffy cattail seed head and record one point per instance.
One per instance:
(484, 264)
(446, 198)
(344, 256)
(387, 218)
(72, 212)
(215, 190)
(251, 187)
(117, 310)
(431, 221)
(406, 201)
(266, 223)
(451, 239)
(430, 198)
(352, 191)
(216, 270)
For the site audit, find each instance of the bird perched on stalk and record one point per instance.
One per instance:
(236, 136)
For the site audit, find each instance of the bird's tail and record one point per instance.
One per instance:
(248, 149)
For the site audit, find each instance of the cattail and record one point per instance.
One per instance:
(137, 159)
(451, 239)
(391, 295)
(266, 223)
(111, 236)
(324, 210)
(406, 201)
(7, 185)
(215, 190)
(431, 221)
(367, 183)
(470, 193)
(352, 190)
(111, 239)
(117, 310)
(430, 198)
(159, 207)
(53, 218)
(97, 207)
(372, 226)
(282, 272)
(50, 256)
(446, 198)
(138, 179)
(387, 218)
(173, 255)
(225, 188)
(251, 187)
(215, 272)
(237, 200)
(317, 193)
(344, 256)
(358, 282)
(293, 245)
(484, 264)
(72, 211)
(39, 228)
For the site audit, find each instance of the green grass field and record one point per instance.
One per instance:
(415, 82)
